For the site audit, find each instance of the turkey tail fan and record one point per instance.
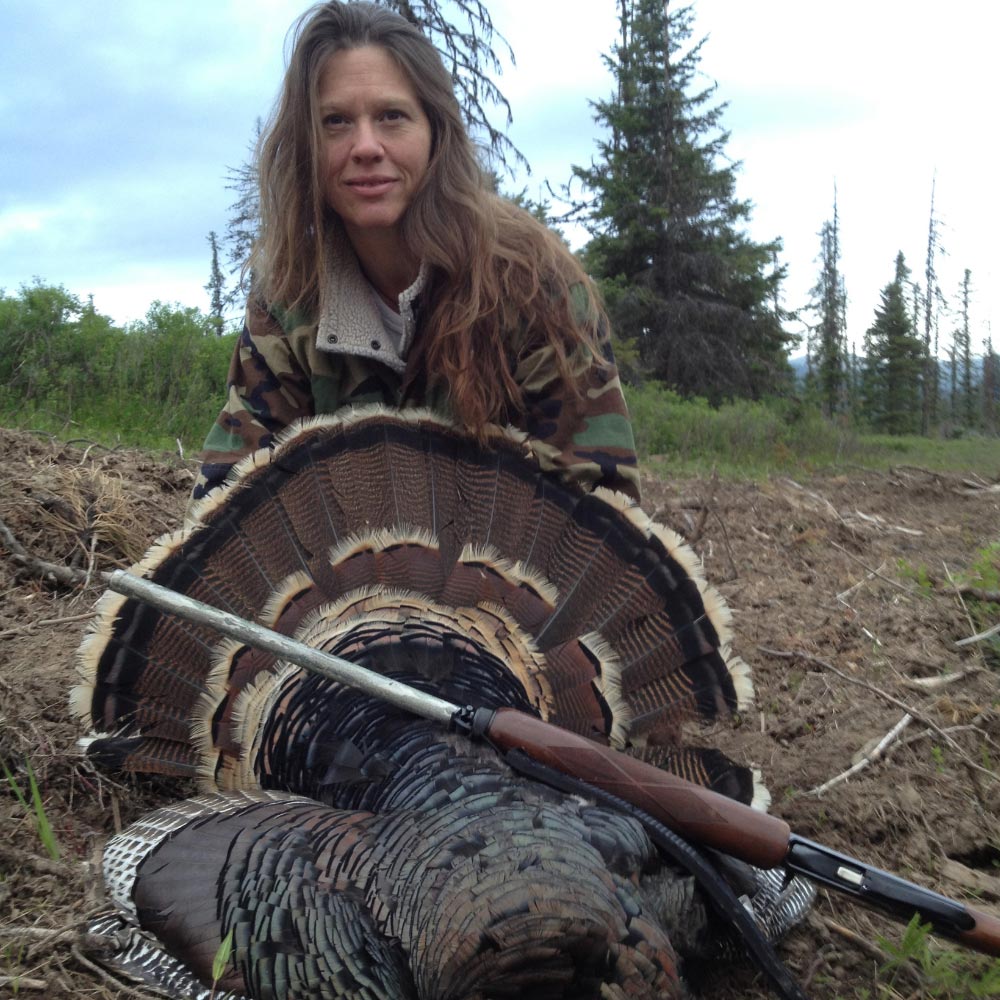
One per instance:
(399, 540)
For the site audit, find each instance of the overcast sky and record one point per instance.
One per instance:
(118, 121)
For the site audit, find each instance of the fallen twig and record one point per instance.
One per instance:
(958, 594)
(44, 623)
(980, 636)
(14, 857)
(54, 572)
(892, 699)
(874, 572)
(871, 950)
(978, 594)
(41, 933)
(877, 751)
(909, 969)
(729, 551)
(23, 983)
(704, 507)
(936, 683)
(880, 522)
(8, 539)
(928, 733)
(974, 490)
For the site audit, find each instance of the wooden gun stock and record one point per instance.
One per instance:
(711, 820)
(985, 936)
(699, 815)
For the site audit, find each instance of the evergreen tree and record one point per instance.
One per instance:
(932, 297)
(244, 218)
(680, 277)
(990, 388)
(894, 361)
(964, 405)
(829, 377)
(216, 287)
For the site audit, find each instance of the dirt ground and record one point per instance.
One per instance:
(843, 630)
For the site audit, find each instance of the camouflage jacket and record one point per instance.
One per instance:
(286, 367)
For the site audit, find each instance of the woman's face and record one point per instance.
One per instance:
(376, 140)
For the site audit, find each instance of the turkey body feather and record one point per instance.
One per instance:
(353, 850)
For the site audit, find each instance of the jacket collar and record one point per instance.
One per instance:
(349, 321)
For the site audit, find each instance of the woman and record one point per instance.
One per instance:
(387, 271)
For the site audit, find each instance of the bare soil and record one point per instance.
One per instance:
(827, 608)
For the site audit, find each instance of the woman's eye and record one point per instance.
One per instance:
(393, 116)
(332, 121)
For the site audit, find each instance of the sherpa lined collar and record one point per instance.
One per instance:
(350, 322)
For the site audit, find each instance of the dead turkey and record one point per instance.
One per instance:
(350, 849)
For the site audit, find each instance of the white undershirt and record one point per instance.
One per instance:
(391, 320)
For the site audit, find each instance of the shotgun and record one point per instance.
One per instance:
(696, 814)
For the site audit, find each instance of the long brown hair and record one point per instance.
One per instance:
(500, 282)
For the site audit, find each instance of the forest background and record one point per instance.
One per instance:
(715, 360)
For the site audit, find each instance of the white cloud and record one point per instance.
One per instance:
(18, 221)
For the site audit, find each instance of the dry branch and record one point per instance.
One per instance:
(980, 636)
(936, 683)
(23, 983)
(13, 857)
(879, 750)
(45, 623)
(52, 572)
(892, 699)
(873, 572)
(979, 594)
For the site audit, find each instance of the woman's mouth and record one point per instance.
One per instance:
(371, 186)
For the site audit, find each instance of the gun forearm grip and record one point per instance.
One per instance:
(985, 936)
(697, 814)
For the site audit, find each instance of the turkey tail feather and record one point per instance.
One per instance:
(603, 614)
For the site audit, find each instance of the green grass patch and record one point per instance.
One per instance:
(754, 439)
(945, 973)
(984, 574)
(130, 424)
(45, 833)
(69, 370)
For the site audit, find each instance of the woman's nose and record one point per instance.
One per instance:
(366, 142)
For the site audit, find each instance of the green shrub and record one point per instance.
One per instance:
(68, 369)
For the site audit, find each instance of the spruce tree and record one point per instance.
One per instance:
(463, 32)
(894, 362)
(681, 278)
(828, 354)
(932, 298)
(244, 218)
(216, 287)
(964, 406)
(989, 389)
